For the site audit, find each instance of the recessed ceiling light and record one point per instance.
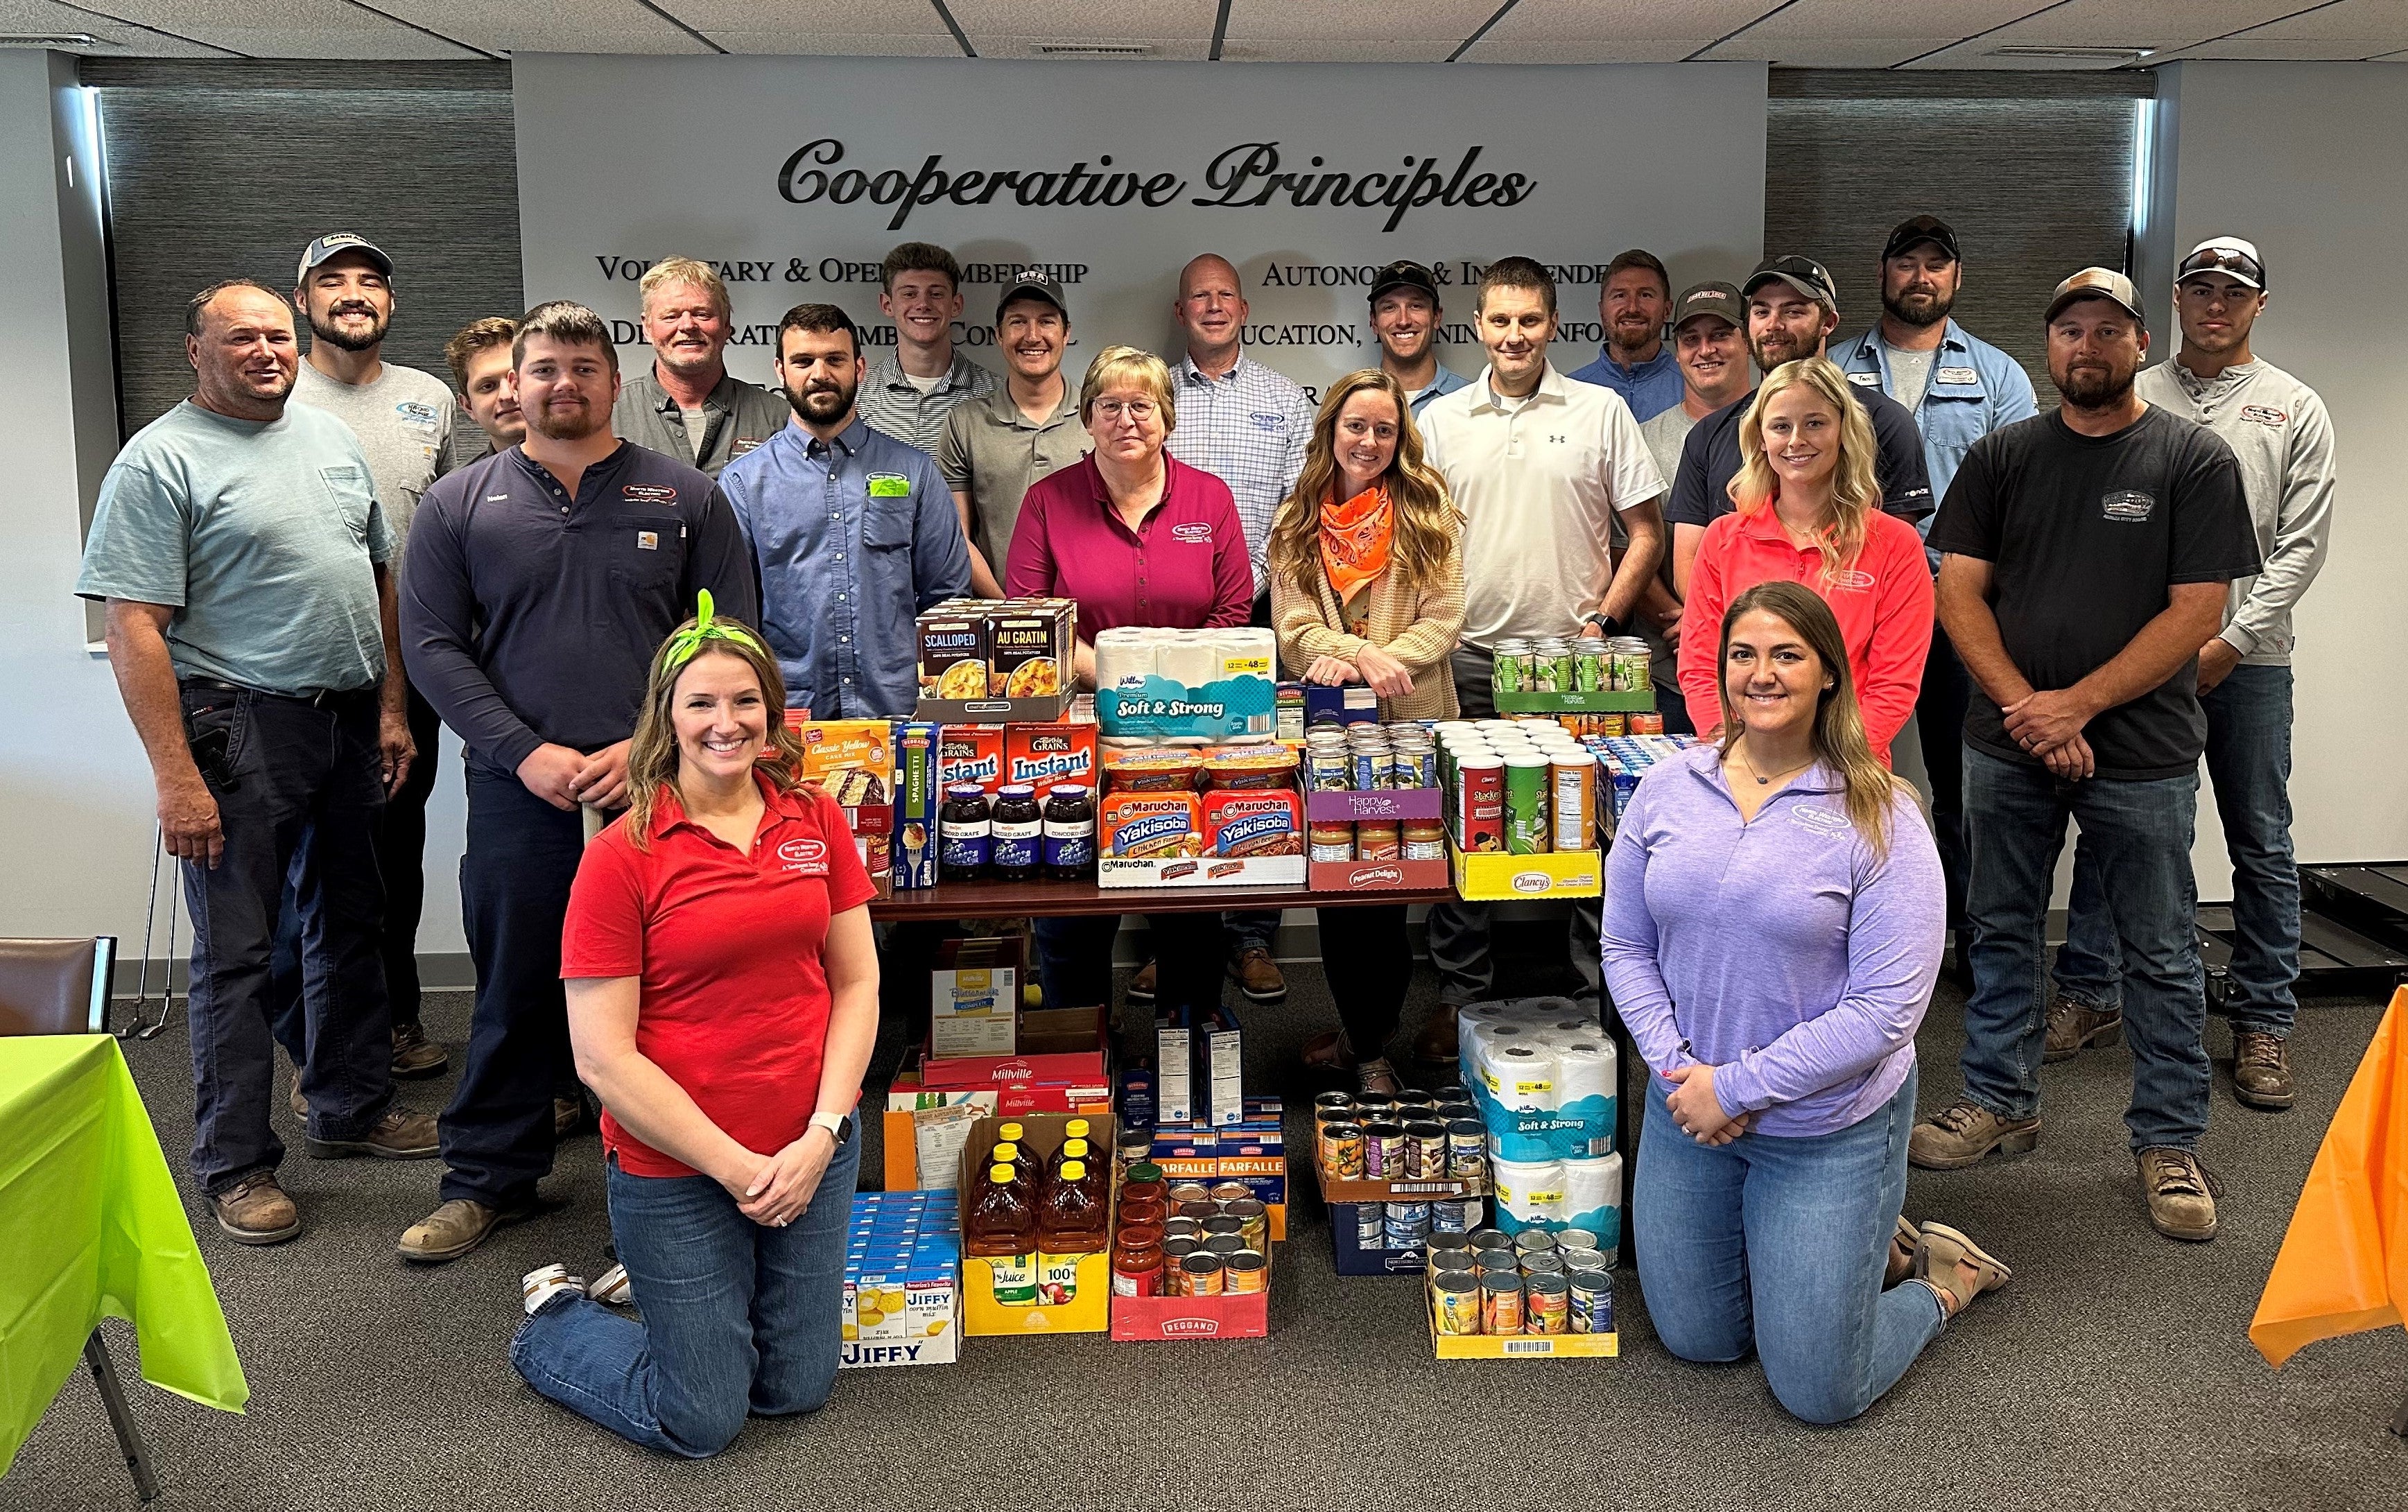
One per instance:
(53, 39)
(2084, 54)
(1093, 50)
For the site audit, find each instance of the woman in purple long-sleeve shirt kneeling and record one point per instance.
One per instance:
(1773, 923)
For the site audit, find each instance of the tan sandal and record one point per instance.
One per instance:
(1937, 1256)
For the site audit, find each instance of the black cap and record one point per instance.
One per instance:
(1717, 298)
(1032, 283)
(1803, 274)
(335, 243)
(1921, 228)
(1403, 275)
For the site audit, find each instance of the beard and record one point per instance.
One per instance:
(821, 405)
(335, 336)
(2092, 388)
(1919, 309)
(1776, 347)
(1632, 338)
(573, 424)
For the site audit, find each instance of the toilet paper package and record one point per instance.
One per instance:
(1592, 1200)
(1529, 1195)
(1186, 687)
(1543, 1078)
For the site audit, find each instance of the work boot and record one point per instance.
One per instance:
(1436, 1044)
(2181, 1193)
(1959, 1134)
(397, 1137)
(415, 1055)
(2075, 1027)
(255, 1210)
(2261, 1071)
(1141, 987)
(455, 1228)
(1258, 975)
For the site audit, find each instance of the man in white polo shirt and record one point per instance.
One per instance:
(1542, 467)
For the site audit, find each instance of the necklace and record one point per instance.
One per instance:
(1761, 781)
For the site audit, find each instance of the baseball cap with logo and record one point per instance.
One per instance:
(2097, 283)
(1033, 283)
(1917, 229)
(1803, 274)
(2233, 257)
(1404, 274)
(335, 242)
(1715, 298)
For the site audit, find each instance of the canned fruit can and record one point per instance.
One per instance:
(1547, 1304)
(1253, 1223)
(1526, 805)
(1384, 1151)
(1573, 776)
(1244, 1273)
(1455, 1305)
(1500, 1304)
(1344, 1151)
(1591, 1295)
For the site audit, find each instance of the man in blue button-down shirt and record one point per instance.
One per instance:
(1959, 389)
(855, 532)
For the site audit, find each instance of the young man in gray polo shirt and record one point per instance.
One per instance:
(686, 404)
(910, 389)
(997, 446)
(2277, 428)
(402, 419)
(242, 553)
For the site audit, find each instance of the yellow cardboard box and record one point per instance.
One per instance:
(1089, 1282)
(1497, 877)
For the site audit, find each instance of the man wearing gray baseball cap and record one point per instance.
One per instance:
(2085, 555)
(2277, 428)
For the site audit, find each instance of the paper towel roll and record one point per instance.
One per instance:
(1586, 1085)
(1124, 658)
(1529, 1195)
(1472, 1050)
(1521, 1074)
(1592, 1198)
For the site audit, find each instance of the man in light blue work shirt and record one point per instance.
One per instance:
(1633, 307)
(1959, 389)
(854, 533)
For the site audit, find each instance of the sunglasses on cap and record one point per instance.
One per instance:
(2230, 260)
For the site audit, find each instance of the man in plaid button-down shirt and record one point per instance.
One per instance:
(1247, 426)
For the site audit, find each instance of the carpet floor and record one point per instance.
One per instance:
(2113, 1372)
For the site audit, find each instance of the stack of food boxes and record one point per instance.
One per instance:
(902, 1280)
(855, 760)
(1181, 816)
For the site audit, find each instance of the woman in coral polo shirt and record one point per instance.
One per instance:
(723, 999)
(1808, 512)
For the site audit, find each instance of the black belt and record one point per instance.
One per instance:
(320, 699)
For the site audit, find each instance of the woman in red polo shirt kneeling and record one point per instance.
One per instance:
(723, 999)
(1808, 512)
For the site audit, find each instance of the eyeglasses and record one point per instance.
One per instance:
(1139, 411)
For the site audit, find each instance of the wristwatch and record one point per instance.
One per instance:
(838, 1124)
(1606, 625)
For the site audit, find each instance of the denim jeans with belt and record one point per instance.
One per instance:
(738, 1318)
(2015, 827)
(293, 779)
(1779, 1244)
(2249, 765)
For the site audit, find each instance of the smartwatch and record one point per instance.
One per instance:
(839, 1125)
(1607, 626)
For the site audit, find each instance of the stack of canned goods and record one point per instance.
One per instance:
(1524, 786)
(1409, 1136)
(1535, 1282)
(1187, 1239)
(1373, 757)
(1570, 665)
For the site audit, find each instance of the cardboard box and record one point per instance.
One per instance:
(1605, 1346)
(1378, 807)
(1046, 710)
(917, 798)
(1045, 756)
(974, 998)
(1497, 877)
(969, 754)
(926, 1127)
(1635, 701)
(1066, 1044)
(1089, 1309)
(1350, 702)
(1377, 876)
(1200, 871)
(1144, 1318)
(902, 1281)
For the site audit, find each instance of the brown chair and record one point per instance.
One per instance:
(61, 987)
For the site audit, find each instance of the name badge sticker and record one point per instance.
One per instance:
(1865, 380)
(889, 486)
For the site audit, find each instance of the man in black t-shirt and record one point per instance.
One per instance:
(1792, 310)
(2085, 555)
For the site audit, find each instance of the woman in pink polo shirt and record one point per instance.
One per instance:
(1808, 512)
(1137, 538)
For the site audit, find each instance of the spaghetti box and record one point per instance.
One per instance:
(969, 754)
(917, 798)
(1352, 704)
(1045, 756)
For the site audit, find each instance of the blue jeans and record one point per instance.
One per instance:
(2249, 764)
(295, 779)
(2015, 826)
(738, 1318)
(1779, 1244)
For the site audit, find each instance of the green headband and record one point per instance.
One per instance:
(686, 642)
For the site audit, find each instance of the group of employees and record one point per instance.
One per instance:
(610, 589)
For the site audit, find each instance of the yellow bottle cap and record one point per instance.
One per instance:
(1005, 1152)
(1078, 1128)
(1074, 1170)
(1011, 1130)
(1074, 1149)
(999, 1174)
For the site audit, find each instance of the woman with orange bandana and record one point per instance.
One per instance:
(1366, 564)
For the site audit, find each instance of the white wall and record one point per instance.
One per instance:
(2310, 161)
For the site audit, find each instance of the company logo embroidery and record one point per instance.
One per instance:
(1557, 440)
(410, 412)
(808, 857)
(2126, 506)
(649, 493)
(1193, 532)
(2263, 415)
(1865, 380)
(1821, 821)
(1956, 375)
(1267, 421)
(648, 540)
(1853, 578)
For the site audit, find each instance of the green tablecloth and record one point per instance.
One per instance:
(91, 1226)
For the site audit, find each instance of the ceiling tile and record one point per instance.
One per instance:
(1802, 53)
(1658, 22)
(1284, 50)
(112, 39)
(589, 26)
(2248, 49)
(1082, 20)
(801, 18)
(2353, 19)
(290, 28)
(1448, 20)
(1842, 21)
(2155, 25)
(1158, 49)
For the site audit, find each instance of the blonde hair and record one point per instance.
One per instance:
(653, 755)
(669, 270)
(1855, 494)
(1839, 741)
(1121, 366)
(1426, 517)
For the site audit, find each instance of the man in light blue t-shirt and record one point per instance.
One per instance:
(241, 551)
